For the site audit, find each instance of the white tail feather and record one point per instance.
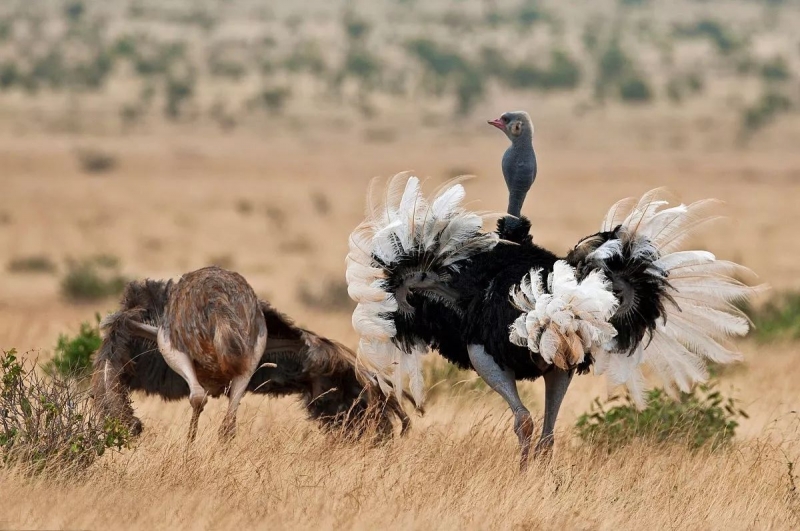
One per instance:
(704, 287)
(399, 224)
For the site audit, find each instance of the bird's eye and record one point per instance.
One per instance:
(504, 119)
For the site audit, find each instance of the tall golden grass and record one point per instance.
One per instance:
(456, 469)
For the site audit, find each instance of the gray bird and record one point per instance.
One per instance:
(519, 160)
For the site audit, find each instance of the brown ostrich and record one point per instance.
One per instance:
(209, 335)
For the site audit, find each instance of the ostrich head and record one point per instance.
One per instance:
(516, 125)
(519, 161)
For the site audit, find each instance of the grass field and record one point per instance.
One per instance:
(275, 198)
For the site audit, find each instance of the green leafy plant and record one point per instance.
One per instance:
(49, 424)
(721, 36)
(73, 355)
(635, 89)
(92, 279)
(777, 319)
(699, 418)
(32, 264)
(764, 111)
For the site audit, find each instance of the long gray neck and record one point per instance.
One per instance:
(523, 174)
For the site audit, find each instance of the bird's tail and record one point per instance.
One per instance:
(408, 246)
(671, 310)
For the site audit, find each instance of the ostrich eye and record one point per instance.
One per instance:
(504, 119)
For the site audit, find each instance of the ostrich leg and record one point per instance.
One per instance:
(239, 384)
(556, 383)
(181, 363)
(505, 384)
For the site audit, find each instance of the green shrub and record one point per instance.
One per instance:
(73, 355)
(493, 62)
(274, 99)
(362, 65)
(74, 11)
(776, 69)
(178, 90)
(355, 27)
(435, 58)
(531, 12)
(776, 320)
(470, 90)
(764, 111)
(91, 280)
(562, 73)
(6, 29)
(10, 75)
(49, 424)
(96, 161)
(306, 57)
(635, 89)
(723, 38)
(699, 418)
(32, 264)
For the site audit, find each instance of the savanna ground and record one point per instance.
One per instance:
(273, 188)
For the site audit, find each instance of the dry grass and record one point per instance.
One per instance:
(456, 469)
(288, 476)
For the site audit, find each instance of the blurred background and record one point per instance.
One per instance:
(148, 138)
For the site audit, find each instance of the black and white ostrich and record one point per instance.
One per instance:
(198, 315)
(425, 276)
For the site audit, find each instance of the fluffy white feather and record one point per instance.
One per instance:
(567, 311)
(704, 287)
(400, 221)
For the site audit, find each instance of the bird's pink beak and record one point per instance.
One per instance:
(498, 123)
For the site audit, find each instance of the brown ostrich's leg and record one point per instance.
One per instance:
(181, 363)
(505, 384)
(239, 384)
(556, 383)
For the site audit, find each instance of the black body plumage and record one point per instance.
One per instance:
(482, 312)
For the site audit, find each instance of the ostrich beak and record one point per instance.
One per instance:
(498, 124)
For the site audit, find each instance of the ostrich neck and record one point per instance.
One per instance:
(519, 170)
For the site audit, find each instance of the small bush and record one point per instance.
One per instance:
(306, 57)
(49, 424)
(776, 69)
(274, 99)
(722, 37)
(10, 75)
(635, 90)
(178, 90)
(96, 161)
(73, 355)
(531, 12)
(91, 280)
(356, 28)
(562, 73)
(764, 111)
(470, 90)
(438, 60)
(32, 264)
(778, 319)
(702, 417)
(362, 65)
